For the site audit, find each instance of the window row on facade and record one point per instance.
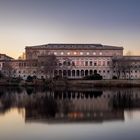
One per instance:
(68, 53)
(76, 53)
(85, 63)
(24, 64)
(69, 63)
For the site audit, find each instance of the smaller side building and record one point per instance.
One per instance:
(126, 67)
(3, 59)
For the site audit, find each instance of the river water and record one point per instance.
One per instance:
(69, 114)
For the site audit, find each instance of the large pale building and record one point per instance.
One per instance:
(84, 58)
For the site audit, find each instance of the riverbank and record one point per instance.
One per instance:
(77, 83)
(99, 83)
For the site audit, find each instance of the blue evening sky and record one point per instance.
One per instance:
(33, 22)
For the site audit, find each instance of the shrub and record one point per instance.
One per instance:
(94, 77)
(57, 77)
(114, 77)
(29, 79)
(16, 80)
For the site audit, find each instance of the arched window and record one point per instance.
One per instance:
(73, 72)
(55, 72)
(64, 73)
(60, 72)
(69, 73)
(91, 72)
(77, 73)
(82, 72)
(86, 72)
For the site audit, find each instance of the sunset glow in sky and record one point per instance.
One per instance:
(35, 22)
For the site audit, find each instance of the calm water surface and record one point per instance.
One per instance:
(72, 114)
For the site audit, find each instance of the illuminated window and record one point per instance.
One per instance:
(55, 53)
(75, 53)
(62, 53)
(68, 53)
(87, 53)
(94, 53)
(81, 53)
(100, 53)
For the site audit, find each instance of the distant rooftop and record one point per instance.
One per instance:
(75, 46)
(4, 56)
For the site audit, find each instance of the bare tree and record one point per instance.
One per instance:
(48, 64)
(122, 66)
(116, 67)
(128, 67)
(7, 69)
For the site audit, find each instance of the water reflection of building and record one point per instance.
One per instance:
(94, 105)
(32, 116)
(75, 107)
(79, 110)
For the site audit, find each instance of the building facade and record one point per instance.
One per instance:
(84, 58)
(76, 61)
(3, 58)
(126, 67)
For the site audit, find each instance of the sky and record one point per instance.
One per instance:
(36, 22)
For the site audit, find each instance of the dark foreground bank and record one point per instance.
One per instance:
(76, 83)
(100, 83)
